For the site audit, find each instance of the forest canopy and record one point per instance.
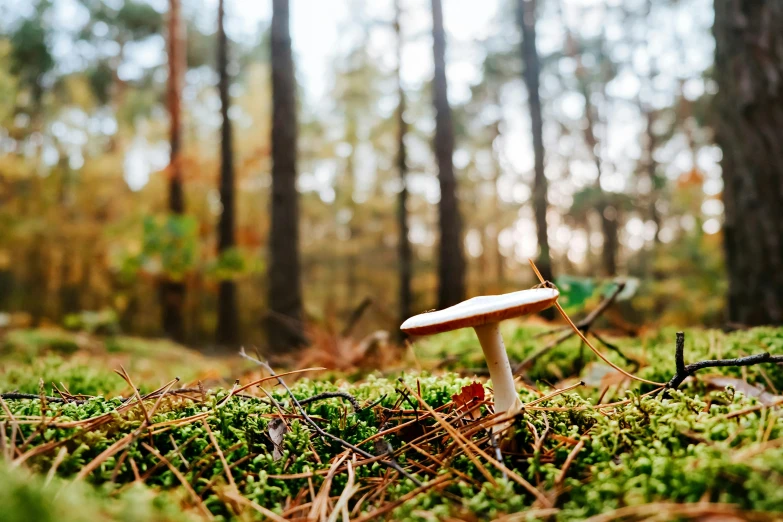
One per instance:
(114, 184)
(412, 260)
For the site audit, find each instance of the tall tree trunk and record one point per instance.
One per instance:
(749, 109)
(405, 260)
(652, 175)
(227, 333)
(451, 258)
(609, 228)
(652, 142)
(172, 293)
(284, 327)
(351, 243)
(526, 18)
(607, 213)
(500, 261)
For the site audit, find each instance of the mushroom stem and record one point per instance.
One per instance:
(506, 398)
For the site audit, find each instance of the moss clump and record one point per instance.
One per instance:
(654, 350)
(693, 445)
(25, 497)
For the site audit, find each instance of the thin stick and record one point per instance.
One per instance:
(748, 360)
(442, 464)
(258, 507)
(165, 390)
(541, 351)
(182, 479)
(225, 399)
(616, 350)
(178, 451)
(3, 442)
(105, 454)
(679, 353)
(555, 393)
(333, 394)
(583, 325)
(375, 515)
(273, 375)
(10, 447)
(464, 442)
(584, 339)
(127, 378)
(390, 463)
(342, 503)
(571, 456)
(222, 457)
(752, 409)
(321, 500)
(57, 461)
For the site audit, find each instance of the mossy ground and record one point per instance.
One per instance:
(703, 450)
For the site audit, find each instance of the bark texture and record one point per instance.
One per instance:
(284, 324)
(227, 333)
(172, 293)
(526, 18)
(749, 110)
(451, 258)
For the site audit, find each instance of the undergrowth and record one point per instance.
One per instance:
(712, 447)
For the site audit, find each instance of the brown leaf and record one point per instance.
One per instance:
(470, 393)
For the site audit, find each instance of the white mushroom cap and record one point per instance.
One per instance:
(481, 310)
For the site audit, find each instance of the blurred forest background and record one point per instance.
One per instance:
(216, 170)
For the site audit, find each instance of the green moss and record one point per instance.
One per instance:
(25, 497)
(685, 447)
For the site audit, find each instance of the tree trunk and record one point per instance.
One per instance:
(606, 213)
(227, 333)
(610, 230)
(611, 243)
(500, 261)
(176, 55)
(351, 264)
(652, 144)
(172, 293)
(526, 18)
(404, 245)
(749, 109)
(284, 326)
(652, 175)
(451, 259)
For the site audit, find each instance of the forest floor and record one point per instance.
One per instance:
(79, 441)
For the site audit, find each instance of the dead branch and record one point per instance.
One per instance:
(355, 316)
(390, 463)
(684, 371)
(584, 327)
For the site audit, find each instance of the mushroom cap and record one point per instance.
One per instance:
(481, 310)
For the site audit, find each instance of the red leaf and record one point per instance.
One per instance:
(472, 392)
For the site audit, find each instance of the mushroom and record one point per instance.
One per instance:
(484, 314)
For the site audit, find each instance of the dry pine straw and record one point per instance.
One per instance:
(450, 446)
(452, 432)
(445, 433)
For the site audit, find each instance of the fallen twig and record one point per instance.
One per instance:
(390, 463)
(331, 395)
(684, 371)
(583, 326)
(582, 336)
